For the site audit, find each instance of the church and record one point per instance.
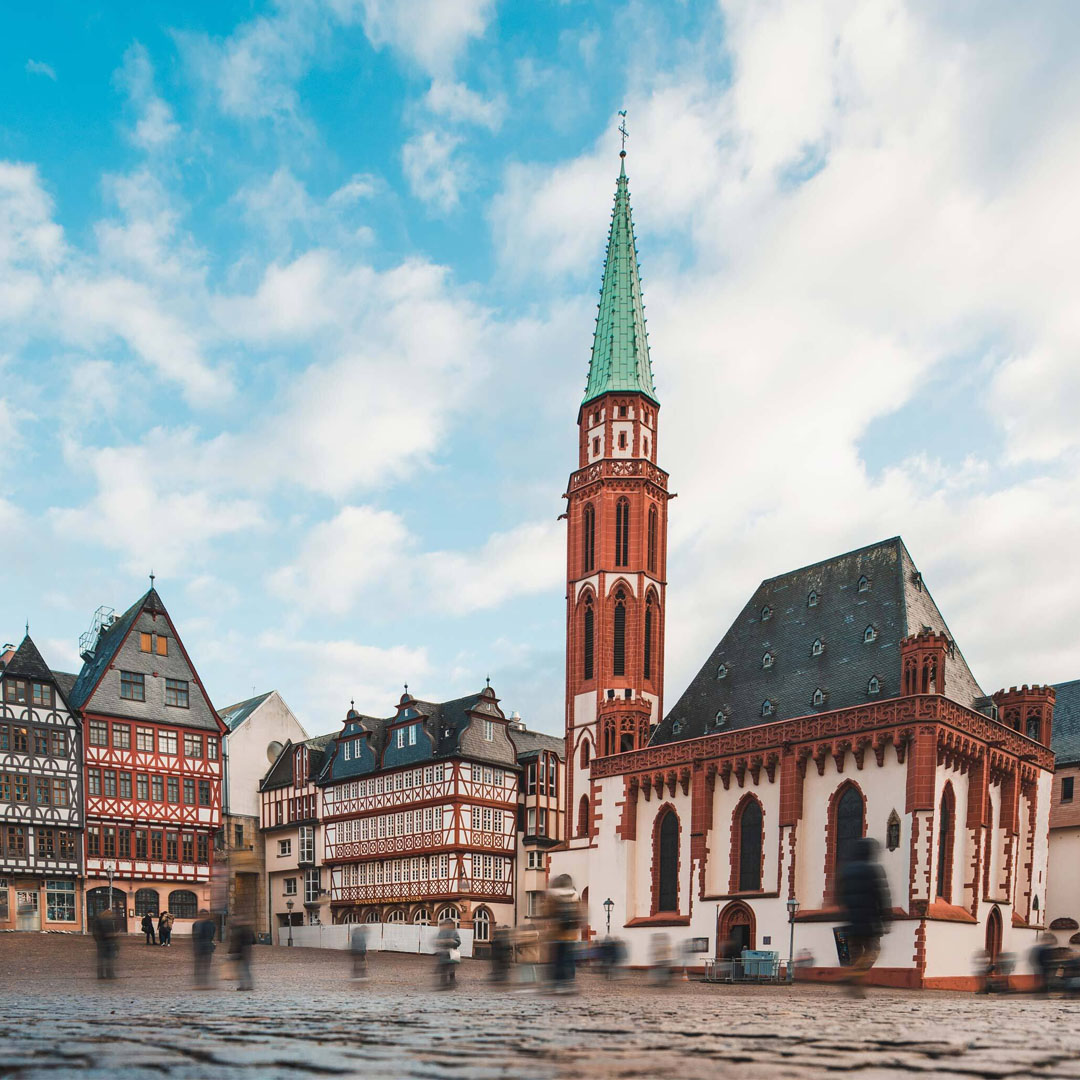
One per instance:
(837, 705)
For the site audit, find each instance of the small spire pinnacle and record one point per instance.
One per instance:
(406, 688)
(27, 627)
(623, 132)
(487, 679)
(352, 703)
(152, 576)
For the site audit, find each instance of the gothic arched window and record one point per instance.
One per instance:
(849, 811)
(588, 538)
(647, 667)
(588, 637)
(622, 532)
(748, 832)
(585, 752)
(945, 844)
(618, 650)
(583, 816)
(654, 528)
(667, 844)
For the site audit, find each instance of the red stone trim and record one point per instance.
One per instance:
(943, 912)
(665, 919)
(737, 912)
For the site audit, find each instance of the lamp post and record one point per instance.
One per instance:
(289, 905)
(792, 907)
(109, 867)
(608, 905)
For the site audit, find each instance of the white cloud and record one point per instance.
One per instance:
(154, 126)
(336, 671)
(39, 67)
(341, 558)
(456, 102)
(430, 33)
(434, 174)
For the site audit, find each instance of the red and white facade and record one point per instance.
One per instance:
(152, 778)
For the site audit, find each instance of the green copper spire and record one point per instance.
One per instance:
(620, 352)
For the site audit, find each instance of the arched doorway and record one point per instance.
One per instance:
(97, 900)
(993, 934)
(735, 930)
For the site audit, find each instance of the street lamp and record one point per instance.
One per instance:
(792, 907)
(109, 868)
(289, 905)
(608, 905)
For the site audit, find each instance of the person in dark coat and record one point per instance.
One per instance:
(202, 945)
(148, 929)
(164, 928)
(448, 950)
(358, 946)
(106, 930)
(241, 940)
(864, 896)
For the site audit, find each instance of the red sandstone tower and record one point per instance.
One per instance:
(616, 537)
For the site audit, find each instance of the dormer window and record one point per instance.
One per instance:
(676, 727)
(766, 613)
(864, 584)
(720, 719)
(812, 598)
(869, 634)
(818, 698)
(874, 685)
(817, 648)
(721, 671)
(489, 730)
(766, 708)
(400, 737)
(767, 660)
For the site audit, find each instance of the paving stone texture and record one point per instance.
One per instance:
(305, 1019)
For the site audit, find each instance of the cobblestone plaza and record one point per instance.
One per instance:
(306, 1019)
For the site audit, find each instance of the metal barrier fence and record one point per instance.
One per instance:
(763, 967)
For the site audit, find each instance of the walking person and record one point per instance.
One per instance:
(148, 929)
(241, 940)
(358, 947)
(165, 921)
(864, 897)
(448, 950)
(563, 911)
(105, 937)
(202, 945)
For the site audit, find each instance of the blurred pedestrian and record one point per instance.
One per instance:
(165, 921)
(358, 947)
(563, 913)
(448, 950)
(1044, 962)
(202, 946)
(106, 930)
(864, 896)
(241, 940)
(148, 929)
(660, 960)
(983, 966)
(502, 954)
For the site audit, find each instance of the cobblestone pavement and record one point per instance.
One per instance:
(305, 1019)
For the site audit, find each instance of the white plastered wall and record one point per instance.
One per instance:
(272, 721)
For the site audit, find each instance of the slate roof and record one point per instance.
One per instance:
(620, 352)
(66, 681)
(1065, 731)
(234, 715)
(530, 743)
(108, 643)
(27, 663)
(895, 603)
(280, 774)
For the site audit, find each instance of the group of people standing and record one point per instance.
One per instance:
(163, 928)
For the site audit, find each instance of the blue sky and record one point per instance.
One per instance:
(296, 302)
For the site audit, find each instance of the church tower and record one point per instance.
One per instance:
(616, 550)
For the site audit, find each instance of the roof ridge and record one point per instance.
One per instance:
(835, 558)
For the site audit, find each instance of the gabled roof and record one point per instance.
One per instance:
(1065, 732)
(735, 682)
(530, 743)
(234, 715)
(27, 663)
(66, 681)
(280, 774)
(110, 638)
(620, 352)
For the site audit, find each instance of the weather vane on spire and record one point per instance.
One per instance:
(622, 131)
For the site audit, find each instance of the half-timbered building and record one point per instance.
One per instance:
(837, 706)
(41, 811)
(152, 745)
(292, 835)
(420, 815)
